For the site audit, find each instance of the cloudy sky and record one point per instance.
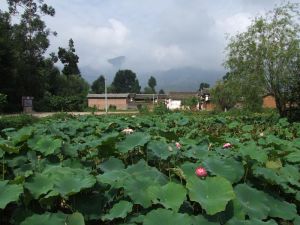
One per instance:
(153, 35)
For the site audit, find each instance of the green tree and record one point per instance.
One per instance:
(152, 83)
(203, 85)
(98, 86)
(24, 44)
(191, 103)
(224, 95)
(148, 90)
(69, 59)
(161, 91)
(125, 81)
(265, 58)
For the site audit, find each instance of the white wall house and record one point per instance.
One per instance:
(173, 104)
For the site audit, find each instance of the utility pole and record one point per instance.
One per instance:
(105, 90)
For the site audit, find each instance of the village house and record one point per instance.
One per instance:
(122, 101)
(176, 99)
(149, 100)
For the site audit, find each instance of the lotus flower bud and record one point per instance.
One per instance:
(201, 172)
(127, 131)
(227, 145)
(178, 145)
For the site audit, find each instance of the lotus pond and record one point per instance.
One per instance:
(146, 169)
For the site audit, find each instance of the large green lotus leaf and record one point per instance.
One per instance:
(112, 164)
(75, 219)
(290, 174)
(297, 220)
(161, 149)
(171, 195)
(254, 152)
(281, 209)
(9, 193)
(21, 135)
(8, 146)
(136, 188)
(255, 203)
(188, 169)
(213, 193)
(68, 181)
(235, 221)
(119, 210)
(229, 168)
(46, 219)
(133, 140)
(39, 184)
(197, 152)
(166, 217)
(45, 144)
(91, 205)
(200, 220)
(293, 157)
(133, 179)
(114, 178)
(138, 171)
(269, 174)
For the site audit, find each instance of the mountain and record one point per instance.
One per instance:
(177, 79)
(183, 79)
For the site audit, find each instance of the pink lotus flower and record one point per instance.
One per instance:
(127, 131)
(227, 145)
(201, 172)
(178, 145)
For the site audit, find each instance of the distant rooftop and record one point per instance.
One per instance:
(121, 95)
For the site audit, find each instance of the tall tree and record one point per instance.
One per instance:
(265, 58)
(125, 81)
(98, 86)
(29, 42)
(152, 83)
(69, 59)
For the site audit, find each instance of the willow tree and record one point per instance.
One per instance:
(265, 58)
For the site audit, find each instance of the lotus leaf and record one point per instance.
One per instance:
(9, 193)
(161, 149)
(255, 203)
(229, 168)
(171, 195)
(46, 219)
(119, 210)
(166, 217)
(213, 193)
(132, 141)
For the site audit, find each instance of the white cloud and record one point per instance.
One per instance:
(113, 35)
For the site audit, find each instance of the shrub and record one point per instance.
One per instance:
(17, 121)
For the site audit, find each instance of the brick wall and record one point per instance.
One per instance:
(269, 102)
(100, 103)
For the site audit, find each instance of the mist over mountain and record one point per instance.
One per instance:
(177, 79)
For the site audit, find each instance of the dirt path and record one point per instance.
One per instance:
(45, 114)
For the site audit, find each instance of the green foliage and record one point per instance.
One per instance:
(203, 86)
(17, 121)
(86, 170)
(190, 102)
(69, 59)
(224, 95)
(125, 81)
(3, 101)
(151, 86)
(265, 59)
(160, 109)
(98, 86)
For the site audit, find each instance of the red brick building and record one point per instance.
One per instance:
(120, 101)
